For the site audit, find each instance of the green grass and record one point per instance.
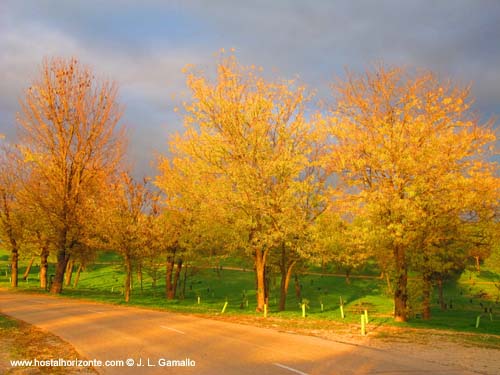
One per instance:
(103, 281)
(7, 324)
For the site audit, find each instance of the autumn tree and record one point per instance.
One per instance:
(39, 236)
(451, 226)
(11, 218)
(343, 243)
(253, 149)
(68, 131)
(402, 141)
(122, 223)
(188, 225)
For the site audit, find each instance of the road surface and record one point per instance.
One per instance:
(147, 340)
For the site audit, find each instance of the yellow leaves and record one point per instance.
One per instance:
(248, 152)
(406, 146)
(187, 68)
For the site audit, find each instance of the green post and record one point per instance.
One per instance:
(491, 317)
(322, 309)
(478, 320)
(303, 310)
(363, 325)
(342, 311)
(366, 316)
(265, 310)
(224, 308)
(199, 300)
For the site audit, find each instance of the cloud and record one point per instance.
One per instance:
(144, 45)
(147, 79)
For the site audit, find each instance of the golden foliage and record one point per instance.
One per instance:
(416, 159)
(71, 145)
(249, 157)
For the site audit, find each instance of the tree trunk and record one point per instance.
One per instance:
(77, 277)
(28, 269)
(286, 272)
(128, 277)
(184, 281)
(442, 304)
(69, 272)
(153, 279)
(139, 275)
(168, 278)
(62, 261)
(348, 276)
(400, 292)
(478, 265)
(14, 268)
(298, 288)
(260, 267)
(426, 297)
(176, 277)
(388, 281)
(286, 275)
(44, 267)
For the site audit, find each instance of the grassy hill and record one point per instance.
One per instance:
(467, 298)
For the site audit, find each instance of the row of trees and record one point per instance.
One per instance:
(398, 169)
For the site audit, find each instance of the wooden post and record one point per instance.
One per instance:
(363, 325)
(224, 308)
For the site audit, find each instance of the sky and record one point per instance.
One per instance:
(143, 46)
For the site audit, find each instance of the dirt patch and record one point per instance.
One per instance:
(472, 352)
(21, 341)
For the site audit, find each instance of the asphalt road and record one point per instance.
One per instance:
(150, 338)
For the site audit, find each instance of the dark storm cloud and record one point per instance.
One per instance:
(144, 45)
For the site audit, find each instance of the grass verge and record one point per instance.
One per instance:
(21, 341)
